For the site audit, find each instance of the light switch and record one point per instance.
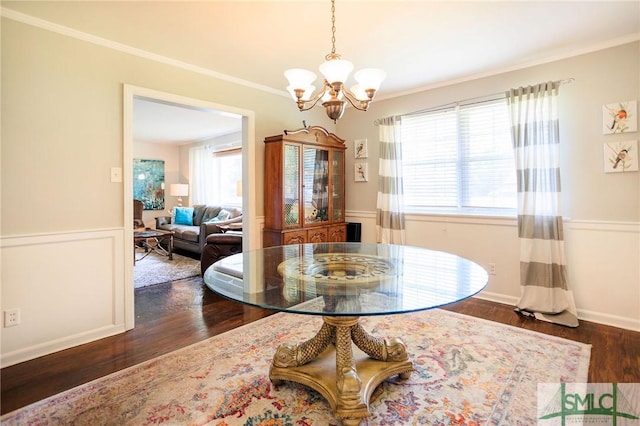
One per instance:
(116, 174)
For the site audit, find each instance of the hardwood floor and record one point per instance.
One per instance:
(173, 315)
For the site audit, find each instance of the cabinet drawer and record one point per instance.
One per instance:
(295, 237)
(318, 235)
(338, 234)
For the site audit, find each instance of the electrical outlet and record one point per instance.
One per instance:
(492, 268)
(11, 317)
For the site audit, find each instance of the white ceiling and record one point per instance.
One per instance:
(420, 44)
(159, 122)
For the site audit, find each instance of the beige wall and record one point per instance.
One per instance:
(601, 77)
(62, 125)
(62, 131)
(603, 210)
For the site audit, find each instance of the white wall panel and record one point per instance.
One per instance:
(602, 264)
(69, 289)
(602, 259)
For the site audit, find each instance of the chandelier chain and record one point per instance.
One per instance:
(333, 27)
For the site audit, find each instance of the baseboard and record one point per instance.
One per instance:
(36, 351)
(611, 320)
(584, 315)
(497, 297)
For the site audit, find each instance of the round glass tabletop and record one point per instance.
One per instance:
(346, 279)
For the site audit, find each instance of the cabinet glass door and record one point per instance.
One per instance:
(291, 185)
(337, 188)
(315, 165)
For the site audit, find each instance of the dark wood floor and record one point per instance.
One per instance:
(171, 316)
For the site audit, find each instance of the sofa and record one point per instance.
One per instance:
(192, 225)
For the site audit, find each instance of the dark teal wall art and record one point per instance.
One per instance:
(148, 183)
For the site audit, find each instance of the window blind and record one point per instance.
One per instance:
(459, 158)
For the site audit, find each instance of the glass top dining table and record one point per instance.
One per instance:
(346, 279)
(342, 282)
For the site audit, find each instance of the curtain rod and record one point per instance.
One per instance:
(471, 101)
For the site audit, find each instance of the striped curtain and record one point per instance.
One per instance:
(390, 204)
(535, 136)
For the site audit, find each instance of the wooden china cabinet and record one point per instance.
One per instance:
(304, 187)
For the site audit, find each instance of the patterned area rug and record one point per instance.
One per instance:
(469, 371)
(156, 268)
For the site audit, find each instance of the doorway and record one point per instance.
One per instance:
(133, 93)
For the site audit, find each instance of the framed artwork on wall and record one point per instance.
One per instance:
(361, 172)
(360, 148)
(148, 183)
(620, 117)
(620, 157)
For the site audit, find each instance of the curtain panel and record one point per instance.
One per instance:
(390, 202)
(201, 176)
(535, 136)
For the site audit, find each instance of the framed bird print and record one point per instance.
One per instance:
(620, 157)
(621, 117)
(360, 148)
(361, 172)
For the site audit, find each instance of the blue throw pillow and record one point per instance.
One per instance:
(222, 216)
(184, 216)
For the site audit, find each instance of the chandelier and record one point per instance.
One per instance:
(333, 92)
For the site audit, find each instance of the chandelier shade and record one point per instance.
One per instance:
(336, 70)
(299, 77)
(333, 93)
(370, 78)
(359, 92)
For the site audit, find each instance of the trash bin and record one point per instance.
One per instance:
(354, 231)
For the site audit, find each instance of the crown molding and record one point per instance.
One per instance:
(89, 38)
(69, 32)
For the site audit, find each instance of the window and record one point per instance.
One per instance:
(459, 159)
(227, 167)
(215, 177)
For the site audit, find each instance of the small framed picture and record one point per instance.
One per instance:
(361, 172)
(620, 157)
(621, 117)
(360, 148)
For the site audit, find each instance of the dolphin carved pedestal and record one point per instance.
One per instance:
(348, 379)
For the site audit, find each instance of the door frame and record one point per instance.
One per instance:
(250, 240)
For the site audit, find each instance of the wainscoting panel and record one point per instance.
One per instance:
(69, 288)
(604, 272)
(602, 259)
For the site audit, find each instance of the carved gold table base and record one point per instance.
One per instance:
(348, 381)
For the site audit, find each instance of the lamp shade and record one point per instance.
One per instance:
(179, 189)
(370, 78)
(359, 92)
(300, 78)
(336, 70)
